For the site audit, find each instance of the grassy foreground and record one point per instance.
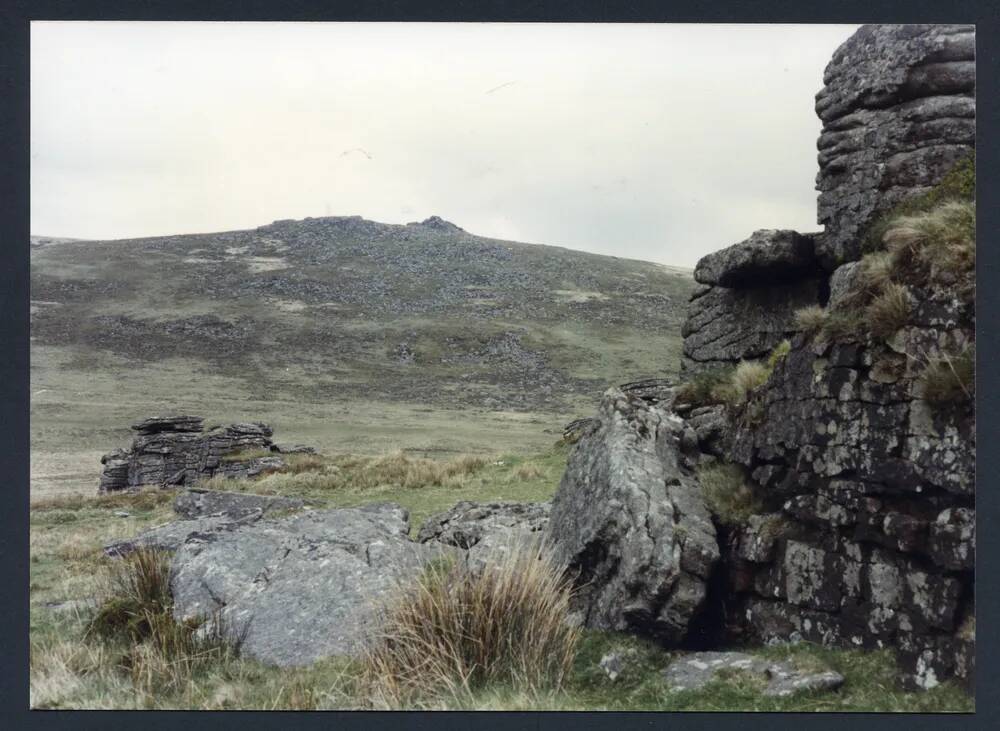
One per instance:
(73, 669)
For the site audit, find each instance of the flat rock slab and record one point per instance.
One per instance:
(171, 536)
(695, 671)
(198, 503)
(301, 588)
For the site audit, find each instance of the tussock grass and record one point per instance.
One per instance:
(959, 184)
(949, 379)
(705, 388)
(749, 375)
(457, 630)
(937, 248)
(811, 319)
(889, 310)
(136, 610)
(727, 495)
(244, 455)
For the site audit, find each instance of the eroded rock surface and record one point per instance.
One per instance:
(898, 111)
(629, 522)
(169, 451)
(301, 588)
(467, 523)
(202, 512)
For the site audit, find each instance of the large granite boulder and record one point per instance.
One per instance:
(767, 257)
(300, 588)
(725, 325)
(629, 522)
(898, 111)
(202, 512)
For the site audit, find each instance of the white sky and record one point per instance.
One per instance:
(658, 142)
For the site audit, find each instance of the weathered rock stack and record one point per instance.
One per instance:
(629, 521)
(866, 534)
(898, 111)
(872, 538)
(175, 450)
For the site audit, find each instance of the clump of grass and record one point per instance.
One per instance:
(889, 310)
(959, 184)
(811, 319)
(527, 472)
(296, 464)
(749, 375)
(936, 247)
(457, 630)
(136, 609)
(706, 388)
(727, 495)
(780, 352)
(244, 455)
(405, 471)
(950, 379)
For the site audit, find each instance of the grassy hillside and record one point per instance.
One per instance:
(348, 334)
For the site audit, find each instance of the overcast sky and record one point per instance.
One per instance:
(658, 142)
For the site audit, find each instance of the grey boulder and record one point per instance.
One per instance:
(769, 256)
(302, 588)
(629, 522)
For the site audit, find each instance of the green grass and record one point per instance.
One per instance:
(728, 494)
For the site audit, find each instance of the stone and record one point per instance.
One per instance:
(898, 112)
(299, 588)
(629, 523)
(724, 326)
(767, 258)
(617, 663)
(171, 536)
(199, 503)
(843, 281)
(783, 678)
(172, 451)
(467, 523)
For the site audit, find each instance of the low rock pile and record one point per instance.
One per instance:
(175, 450)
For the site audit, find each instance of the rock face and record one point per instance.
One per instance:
(867, 537)
(629, 521)
(876, 496)
(299, 588)
(729, 324)
(898, 110)
(174, 450)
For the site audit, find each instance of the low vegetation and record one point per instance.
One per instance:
(458, 630)
(959, 184)
(135, 612)
(727, 493)
(950, 379)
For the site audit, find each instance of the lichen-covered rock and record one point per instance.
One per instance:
(171, 451)
(199, 503)
(783, 678)
(898, 111)
(467, 523)
(629, 522)
(767, 258)
(726, 325)
(300, 588)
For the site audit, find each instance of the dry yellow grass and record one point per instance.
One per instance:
(889, 310)
(456, 630)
